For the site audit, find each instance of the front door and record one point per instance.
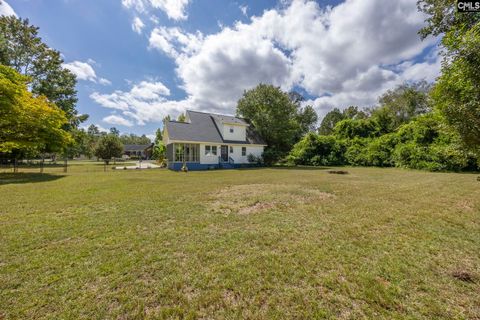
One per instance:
(224, 153)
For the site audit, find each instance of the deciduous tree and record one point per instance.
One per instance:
(23, 50)
(279, 120)
(29, 124)
(108, 147)
(456, 92)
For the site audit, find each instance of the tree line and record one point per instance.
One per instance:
(416, 125)
(92, 142)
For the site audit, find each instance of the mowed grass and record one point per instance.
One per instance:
(251, 244)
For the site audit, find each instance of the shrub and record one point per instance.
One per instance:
(379, 151)
(355, 153)
(423, 143)
(317, 150)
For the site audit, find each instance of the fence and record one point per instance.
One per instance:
(56, 166)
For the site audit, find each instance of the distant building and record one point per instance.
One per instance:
(207, 140)
(141, 151)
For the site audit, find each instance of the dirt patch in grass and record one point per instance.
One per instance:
(463, 275)
(254, 198)
(337, 172)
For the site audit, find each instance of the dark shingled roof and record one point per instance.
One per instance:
(202, 128)
(136, 147)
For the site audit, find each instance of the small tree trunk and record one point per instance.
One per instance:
(65, 164)
(15, 166)
(42, 163)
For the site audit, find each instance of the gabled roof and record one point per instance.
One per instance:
(136, 147)
(203, 128)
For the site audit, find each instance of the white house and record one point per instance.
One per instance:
(207, 141)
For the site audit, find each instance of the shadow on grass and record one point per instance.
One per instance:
(24, 177)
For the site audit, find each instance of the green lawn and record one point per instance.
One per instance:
(255, 244)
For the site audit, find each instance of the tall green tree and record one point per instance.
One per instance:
(456, 92)
(159, 148)
(23, 50)
(29, 124)
(352, 112)
(93, 130)
(84, 143)
(330, 121)
(402, 104)
(115, 131)
(333, 117)
(181, 117)
(108, 147)
(443, 18)
(279, 120)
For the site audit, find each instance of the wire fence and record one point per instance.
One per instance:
(59, 166)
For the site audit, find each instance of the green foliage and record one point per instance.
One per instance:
(317, 150)
(134, 139)
(379, 151)
(108, 147)
(402, 104)
(181, 117)
(159, 150)
(442, 17)
(28, 124)
(423, 143)
(254, 159)
(350, 128)
(427, 143)
(330, 121)
(456, 92)
(80, 144)
(115, 131)
(23, 50)
(93, 130)
(355, 154)
(158, 136)
(278, 117)
(335, 116)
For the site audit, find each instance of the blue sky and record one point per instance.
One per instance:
(139, 60)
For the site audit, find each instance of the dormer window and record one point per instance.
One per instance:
(231, 129)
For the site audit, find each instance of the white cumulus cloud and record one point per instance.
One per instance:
(117, 120)
(344, 55)
(174, 9)
(6, 9)
(144, 102)
(137, 25)
(85, 71)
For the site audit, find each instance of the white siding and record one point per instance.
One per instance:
(239, 132)
(237, 152)
(209, 159)
(236, 155)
